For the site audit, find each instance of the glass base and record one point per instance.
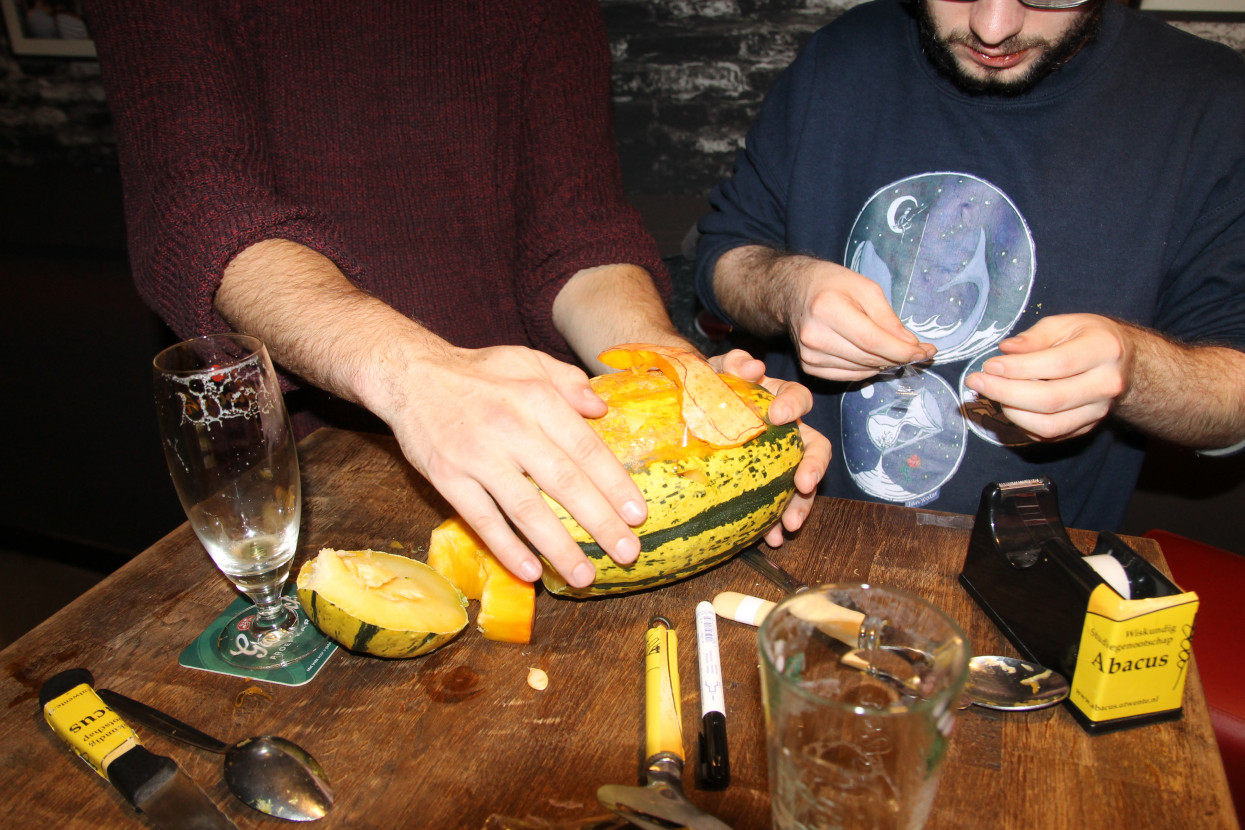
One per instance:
(241, 645)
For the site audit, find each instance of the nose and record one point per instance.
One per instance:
(994, 21)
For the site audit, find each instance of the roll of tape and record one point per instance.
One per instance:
(1112, 572)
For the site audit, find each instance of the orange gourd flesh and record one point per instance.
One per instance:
(712, 411)
(507, 603)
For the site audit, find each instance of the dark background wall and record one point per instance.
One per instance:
(689, 78)
(79, 458)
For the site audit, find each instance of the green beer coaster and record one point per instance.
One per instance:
(202, 653)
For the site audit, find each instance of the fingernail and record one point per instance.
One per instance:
(634, 512)
(627, 549)
(583, 575)
(529, 571)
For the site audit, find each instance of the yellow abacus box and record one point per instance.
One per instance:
(1133, 657)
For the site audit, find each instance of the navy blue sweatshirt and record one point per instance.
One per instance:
(1115, 187)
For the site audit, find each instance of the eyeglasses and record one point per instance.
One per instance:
(1044, 4)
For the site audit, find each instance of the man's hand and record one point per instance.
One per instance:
(840, 322)
(1060, 378)
(791, 401)
(844, 329)
(503, 421)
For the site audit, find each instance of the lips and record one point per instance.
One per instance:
(997, 62)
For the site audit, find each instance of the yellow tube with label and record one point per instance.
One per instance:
(663, 715)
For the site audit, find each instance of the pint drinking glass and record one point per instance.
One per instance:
(850, 747)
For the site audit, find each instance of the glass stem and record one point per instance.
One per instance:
(272, 611)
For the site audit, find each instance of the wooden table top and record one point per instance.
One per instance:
(448, 739)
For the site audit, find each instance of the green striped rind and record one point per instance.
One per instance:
(357, 635)
(694, 524)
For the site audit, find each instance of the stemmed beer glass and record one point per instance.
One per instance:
(230, 452)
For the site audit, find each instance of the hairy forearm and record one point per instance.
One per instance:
(608, 305)
(317, 324)
(1190, 395)
(757, 286)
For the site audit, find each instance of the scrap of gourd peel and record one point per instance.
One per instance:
(713, 412)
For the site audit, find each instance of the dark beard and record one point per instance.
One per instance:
(1059, 53)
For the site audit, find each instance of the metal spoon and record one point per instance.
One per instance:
(994, 682)
(271, 774)
(1011, 683)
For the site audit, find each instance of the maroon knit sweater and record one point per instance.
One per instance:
(455, 158)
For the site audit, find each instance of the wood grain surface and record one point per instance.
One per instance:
(446, 740)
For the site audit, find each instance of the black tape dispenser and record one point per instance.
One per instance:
(1031, 580)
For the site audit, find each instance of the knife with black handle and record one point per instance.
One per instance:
(152, 783)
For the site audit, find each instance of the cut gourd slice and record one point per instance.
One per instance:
(380, 603)
(507, 603)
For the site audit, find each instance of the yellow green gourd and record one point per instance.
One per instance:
(705, 503)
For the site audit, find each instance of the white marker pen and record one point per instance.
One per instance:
(713, 766)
